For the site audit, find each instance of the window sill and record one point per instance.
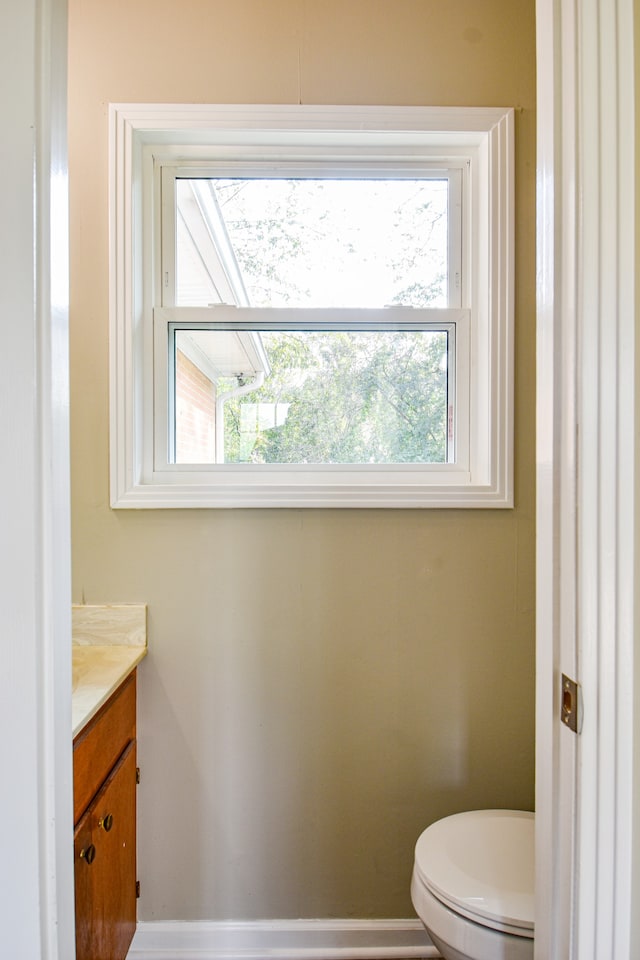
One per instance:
(200, 494)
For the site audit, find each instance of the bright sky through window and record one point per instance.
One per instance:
(316, 242)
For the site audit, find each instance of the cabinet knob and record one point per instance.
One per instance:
(106, 822)
(88, 853)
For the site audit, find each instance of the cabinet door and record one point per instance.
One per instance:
(105, 866)
(84, 861)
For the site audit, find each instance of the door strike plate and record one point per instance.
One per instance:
(570, 706)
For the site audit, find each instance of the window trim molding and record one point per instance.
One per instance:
(134, 127)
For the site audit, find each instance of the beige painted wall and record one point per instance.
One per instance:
(321, 684)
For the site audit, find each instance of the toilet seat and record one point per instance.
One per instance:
(480, 864)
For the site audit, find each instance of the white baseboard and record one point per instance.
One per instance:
(283, 940)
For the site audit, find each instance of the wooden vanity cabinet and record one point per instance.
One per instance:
(105, 829)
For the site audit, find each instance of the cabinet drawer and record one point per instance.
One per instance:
(98, 746)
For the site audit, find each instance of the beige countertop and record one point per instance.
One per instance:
(109, 642)
(97, 672)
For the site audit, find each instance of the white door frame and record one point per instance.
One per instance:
(586, 378)
(36, 849)
(586, 476)
(555, 479)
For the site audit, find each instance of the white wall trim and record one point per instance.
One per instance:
(51, 584)
(607, 485)
(283, 940)
(36, 846)
(587, 485)
(557, 204)
(141, 134)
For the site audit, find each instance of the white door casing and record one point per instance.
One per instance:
(36, 845)
(606, 478)
(586, 476)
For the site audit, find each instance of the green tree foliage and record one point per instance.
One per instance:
(365, 397)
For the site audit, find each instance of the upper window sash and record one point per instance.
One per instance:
(206, 223)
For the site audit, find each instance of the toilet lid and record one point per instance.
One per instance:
(481, 865)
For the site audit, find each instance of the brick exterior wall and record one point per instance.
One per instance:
(195, 413)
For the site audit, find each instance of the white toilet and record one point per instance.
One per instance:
(473, 885)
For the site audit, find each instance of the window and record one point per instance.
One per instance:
(331, 372)
(311, 307)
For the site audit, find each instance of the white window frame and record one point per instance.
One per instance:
(143, 135)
